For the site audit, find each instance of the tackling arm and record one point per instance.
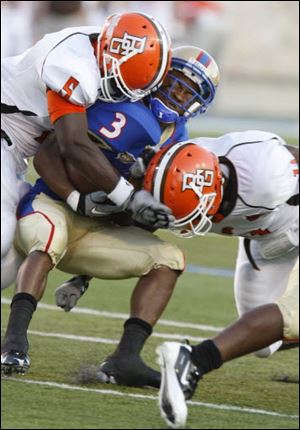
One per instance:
(79, 151)
(48, 160)
(75, 146)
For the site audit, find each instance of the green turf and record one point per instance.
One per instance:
(246, 382)
(202, 299)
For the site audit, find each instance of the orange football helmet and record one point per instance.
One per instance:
(187, 178)
(134, 56)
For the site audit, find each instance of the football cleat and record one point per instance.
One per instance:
(130, 371)
(14, 361)
(179, 379)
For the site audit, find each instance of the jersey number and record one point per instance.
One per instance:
(116, 126)
(69, 87)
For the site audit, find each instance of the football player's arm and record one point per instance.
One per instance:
(71, 127)
(50, 166)
(75, 146)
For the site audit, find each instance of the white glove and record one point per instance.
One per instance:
(68, 294)
(145, 210)
(96, 205)
(138, 168)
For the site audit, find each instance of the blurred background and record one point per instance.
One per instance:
(255, 44)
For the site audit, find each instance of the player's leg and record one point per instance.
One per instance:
(149, 298)
(121, 253)
(42, 235)
(30, 285)
(254, 288)
(288, 304)
(183, 365)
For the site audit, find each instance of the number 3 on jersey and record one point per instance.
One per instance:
(116, 125)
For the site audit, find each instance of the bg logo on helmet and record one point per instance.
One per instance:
(202, 178)
(128, 44)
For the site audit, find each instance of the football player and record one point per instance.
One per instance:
(194, 86)
(182, 366)
(128, 134)
(50, 86)
(243, 184)
(132, 134)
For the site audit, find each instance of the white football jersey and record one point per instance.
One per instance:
(61, 61)
(263, 176)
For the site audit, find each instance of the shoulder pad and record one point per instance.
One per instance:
(63, 65)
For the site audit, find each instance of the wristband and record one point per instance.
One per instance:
(121, 192)
(73, 200)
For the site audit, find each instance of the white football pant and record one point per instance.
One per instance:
(254, 288)
(13, 189)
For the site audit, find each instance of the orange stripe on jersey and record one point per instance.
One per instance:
(58, 106)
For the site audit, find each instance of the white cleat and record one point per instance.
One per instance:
(178, 383)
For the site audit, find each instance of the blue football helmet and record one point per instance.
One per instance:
(201, 68)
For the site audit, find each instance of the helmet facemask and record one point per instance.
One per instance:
(198, 80)
(197, 223)
(112, 85)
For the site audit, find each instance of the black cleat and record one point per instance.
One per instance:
(14, 361)
(127, 370)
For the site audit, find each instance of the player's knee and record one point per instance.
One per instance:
(291, 324)
(37, 233)
(288, 304)
(168, 255)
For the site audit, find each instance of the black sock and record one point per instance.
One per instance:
(136, 332)
(206, 356)
(23, 306)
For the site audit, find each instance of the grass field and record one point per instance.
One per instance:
(241, 395)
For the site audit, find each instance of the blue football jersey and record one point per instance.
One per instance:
(121, 130)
